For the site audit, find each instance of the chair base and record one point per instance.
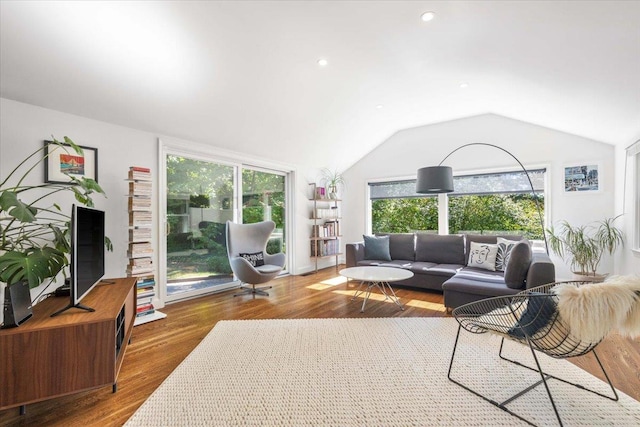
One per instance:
(544, 377)
(246, 290)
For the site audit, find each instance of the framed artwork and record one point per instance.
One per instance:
(62, 162)
(582, 178)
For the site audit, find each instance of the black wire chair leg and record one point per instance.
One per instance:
(544, 381)
(580, 386)
(493, 402)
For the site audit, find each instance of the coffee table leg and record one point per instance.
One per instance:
(395, 298)
(368, 291)
(358, 292)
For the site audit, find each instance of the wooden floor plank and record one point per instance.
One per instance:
(158, 347)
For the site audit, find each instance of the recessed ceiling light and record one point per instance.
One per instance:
(464, 85)
(323, 62)
(379, 106)
(428, 16)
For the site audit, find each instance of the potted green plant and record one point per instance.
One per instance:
(332, 180)
(583, 246)
(34, 230)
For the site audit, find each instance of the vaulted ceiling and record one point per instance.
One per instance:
(244, 75)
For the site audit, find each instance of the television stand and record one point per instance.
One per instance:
(80, 306)
(49, 357)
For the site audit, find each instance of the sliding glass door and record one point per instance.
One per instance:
(201, 195)
(199, 201)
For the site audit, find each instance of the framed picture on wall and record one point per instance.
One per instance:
(582, 178)
(62, 161)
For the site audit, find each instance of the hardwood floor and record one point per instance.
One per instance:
(158, 347)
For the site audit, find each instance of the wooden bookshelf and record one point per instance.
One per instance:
(325, 231)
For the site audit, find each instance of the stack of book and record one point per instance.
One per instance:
(139, 173)
(139, 203)
(139, 266)
(320, 248)
(140, 249)
(146, 291)
(328, 229)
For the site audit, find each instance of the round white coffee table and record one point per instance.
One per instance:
(376, 277)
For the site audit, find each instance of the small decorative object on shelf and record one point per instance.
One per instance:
(140, 252)
(325, 231)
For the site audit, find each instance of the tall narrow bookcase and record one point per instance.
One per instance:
(140, 251)
(325, 231)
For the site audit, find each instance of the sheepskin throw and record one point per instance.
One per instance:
(591, 311)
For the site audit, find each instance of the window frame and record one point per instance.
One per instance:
(443, 199)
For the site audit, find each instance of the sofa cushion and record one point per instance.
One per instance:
(483, 255)
(482, 283)
(376, 247)
(400, 263)
(401, 245)
(486, 238)
(504, 250)
(517, 267)
(421, 267)
(441, 249)
(446, 270)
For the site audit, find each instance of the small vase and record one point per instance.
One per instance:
(333, 192)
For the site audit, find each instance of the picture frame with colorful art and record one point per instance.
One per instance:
(62, 161)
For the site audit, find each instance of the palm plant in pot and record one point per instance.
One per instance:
(34, 230)
(583, 246)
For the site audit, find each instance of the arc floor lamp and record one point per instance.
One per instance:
(439, 179)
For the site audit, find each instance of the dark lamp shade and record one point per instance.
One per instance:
(434, 180)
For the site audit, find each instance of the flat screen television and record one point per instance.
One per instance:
(87, 254)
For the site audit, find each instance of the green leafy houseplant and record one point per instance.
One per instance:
(34, 244)
(332, 180)
(583, 246)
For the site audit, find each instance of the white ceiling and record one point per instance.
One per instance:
(243, 75)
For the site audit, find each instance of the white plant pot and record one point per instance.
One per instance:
(589, 277)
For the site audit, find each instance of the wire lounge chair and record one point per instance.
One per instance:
(531, 318)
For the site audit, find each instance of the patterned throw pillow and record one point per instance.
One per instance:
(256, 259)
(483, 255)
(504, 250)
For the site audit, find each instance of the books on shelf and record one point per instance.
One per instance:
(140, 218)
(328, 229)
(139, 173)
(140, 249)
(321, 248)
(140, 188)
(139, 233)
(328, 213)
(139, 203)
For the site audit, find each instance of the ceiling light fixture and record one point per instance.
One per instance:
(464, 85)
(323, 62)
(428, 16)
(379, 106)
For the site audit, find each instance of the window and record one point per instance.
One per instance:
(397, 208)
(498, 203)
(482, 203)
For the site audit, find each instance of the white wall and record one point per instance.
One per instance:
(406, 151)
(24, 127)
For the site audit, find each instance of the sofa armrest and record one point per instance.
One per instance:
(354, 253)
(541, 271)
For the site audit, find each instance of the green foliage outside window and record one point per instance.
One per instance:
(404, 215)
(478, 214)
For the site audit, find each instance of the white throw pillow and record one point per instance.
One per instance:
(504, 250)
(483, 255)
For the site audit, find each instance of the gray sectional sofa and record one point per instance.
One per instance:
(440, 262)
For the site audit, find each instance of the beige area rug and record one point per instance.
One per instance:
(365, 372)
